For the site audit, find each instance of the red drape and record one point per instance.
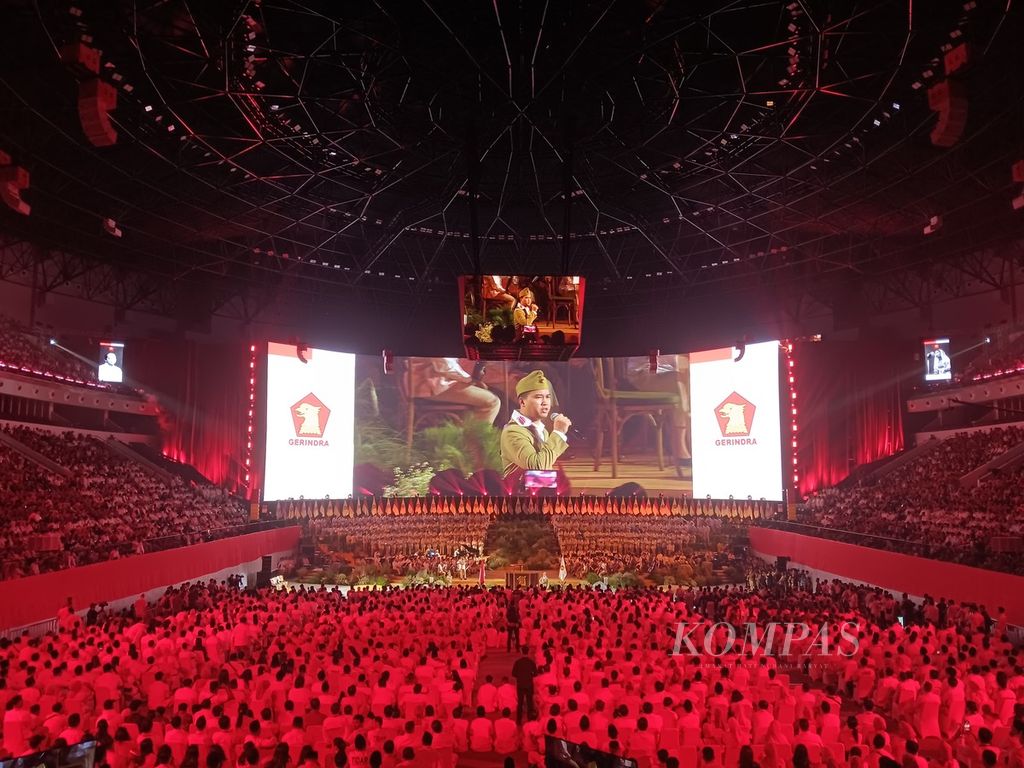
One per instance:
(851, 411)
(203, 389)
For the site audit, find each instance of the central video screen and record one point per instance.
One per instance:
(456, 425)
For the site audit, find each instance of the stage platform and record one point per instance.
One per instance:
(642, 470)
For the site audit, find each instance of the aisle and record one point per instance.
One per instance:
(497, 663)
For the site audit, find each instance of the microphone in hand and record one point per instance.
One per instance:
(561, 423)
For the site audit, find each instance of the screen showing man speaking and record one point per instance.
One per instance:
(938, 364)
(309, 434)
(734, 412)
(111, 365)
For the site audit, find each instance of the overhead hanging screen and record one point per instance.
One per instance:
(522, 317)
(735, 418)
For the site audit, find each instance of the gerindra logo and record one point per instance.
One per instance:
(310, 416)
(735, 417)
(772, 639)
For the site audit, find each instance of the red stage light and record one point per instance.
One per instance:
(949, 99)
(13, 179)
(96, 99)
(82, 59)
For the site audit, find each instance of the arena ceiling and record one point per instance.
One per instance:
(664, 149)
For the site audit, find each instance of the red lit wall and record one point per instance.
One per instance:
(38, 598)
(898, 573)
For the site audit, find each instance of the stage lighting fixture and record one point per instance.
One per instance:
(300, 352)
(934, 225)
(111, 228)
(13, 179)
(1018, 202)
(53, 342)
(741, 349)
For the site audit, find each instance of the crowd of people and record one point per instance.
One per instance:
(921, 508)
(582, 533)
(613, 543)
(450, 544)
(999, 359)
(440, 546)
(212, 676)
(409, 535)
(26, 352)
(108, 507)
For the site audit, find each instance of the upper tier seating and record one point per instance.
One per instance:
(110, 507)
(921, 508)
(25, 352)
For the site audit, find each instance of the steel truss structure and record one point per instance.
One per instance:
(317, 150)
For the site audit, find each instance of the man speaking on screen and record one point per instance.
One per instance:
(526, 443)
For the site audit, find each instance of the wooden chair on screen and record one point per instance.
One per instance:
(487, 303)
(421, 411)
(558, 300)
(615, 407)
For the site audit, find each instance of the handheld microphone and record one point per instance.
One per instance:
(572, 430)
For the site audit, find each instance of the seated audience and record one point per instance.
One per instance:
(109, 506)
(25, 352)
(921, 507)
(315, 678)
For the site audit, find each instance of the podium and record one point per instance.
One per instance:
(519, 579)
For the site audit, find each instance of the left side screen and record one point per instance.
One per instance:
(309, 432)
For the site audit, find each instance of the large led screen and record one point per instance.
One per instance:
(310, 423)
(938, 365)
(111, 365)
(522, 317)
(457, 426)
(737, 446)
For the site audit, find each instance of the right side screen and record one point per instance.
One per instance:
(735, 422)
